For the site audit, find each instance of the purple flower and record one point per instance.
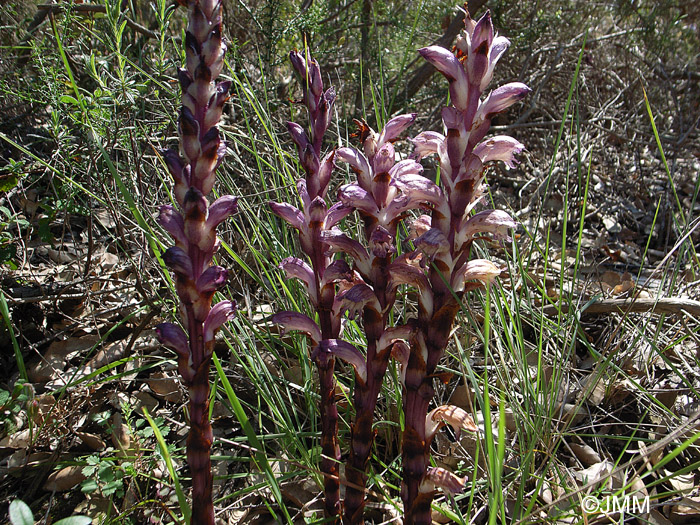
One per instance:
(444, 240)
(193, 228)
(294, 321)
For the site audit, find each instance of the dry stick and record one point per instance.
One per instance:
(665, 305)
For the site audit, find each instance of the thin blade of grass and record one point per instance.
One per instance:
(165, 453)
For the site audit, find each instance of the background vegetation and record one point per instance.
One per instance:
(575, 394)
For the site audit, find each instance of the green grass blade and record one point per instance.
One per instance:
(165, 453)
(256, 445)
(19, 359)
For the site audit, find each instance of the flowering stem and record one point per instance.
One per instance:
(193, 227)
(313, 219)
(418, 394)
(330, 449)
(365, 401)
(447, 239)
(385, 190)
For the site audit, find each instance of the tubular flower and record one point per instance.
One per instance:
(193, 228)
(315, 222)
(443, 240)
(385, 190)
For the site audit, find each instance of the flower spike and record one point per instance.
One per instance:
(445, 238)
(193, 227)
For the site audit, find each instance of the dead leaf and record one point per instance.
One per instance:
(220, 410)
(19, 439)
(596, 472)
(108, 261)
(595, 387)
(64, 479)
(619, 391)
(683, 483)
(298, 493)
(511, 422)
(462, 397)
(626, 284)
(686, 510)
(585, 454)
(572, 413)
(294, 374)
(95, 507)
(20, 460)
(104, 217)
(91, 440)
(656, 518)
(144, 399)
(106, 356)
(57, 356)
(165, 387)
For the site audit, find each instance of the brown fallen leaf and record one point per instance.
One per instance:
(95, 507)
(64, 479)
(294, 374)
(144, 399)
(106, 356)
(682, 483)
(585, 454)
(20, 439)
(298, 492)
(19, 461)
(594, 387)
(462, 397)
(597, 472)
(626, 284)
(122, 438)
(57, 356)
(165, 387)
(91, 440)
(656, 518)
(687, 510)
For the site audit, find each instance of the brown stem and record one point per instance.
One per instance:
(366, 396)
(418, 394)
(415, 452)
(330, 449)
(199, 442)
(362, 439)
(199, 438)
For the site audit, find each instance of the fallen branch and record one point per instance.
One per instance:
(665, 305)
(424, 72)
